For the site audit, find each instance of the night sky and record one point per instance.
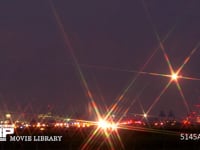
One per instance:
(110, 39)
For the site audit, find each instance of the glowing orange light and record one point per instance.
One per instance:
(174, 76)
(107, 125)
(42, 129)
(103, 124)
(38, 124)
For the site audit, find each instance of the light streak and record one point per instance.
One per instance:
(174, 74)
(82, 78)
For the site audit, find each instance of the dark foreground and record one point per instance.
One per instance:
(74, 138)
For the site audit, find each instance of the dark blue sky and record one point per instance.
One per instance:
(37, 68)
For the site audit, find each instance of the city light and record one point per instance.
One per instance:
(103, 124)
(145, 115)
(8, 116)
(174, 76)
(107, 125)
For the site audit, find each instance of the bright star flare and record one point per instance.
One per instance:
(107, 125)
(174, 76)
